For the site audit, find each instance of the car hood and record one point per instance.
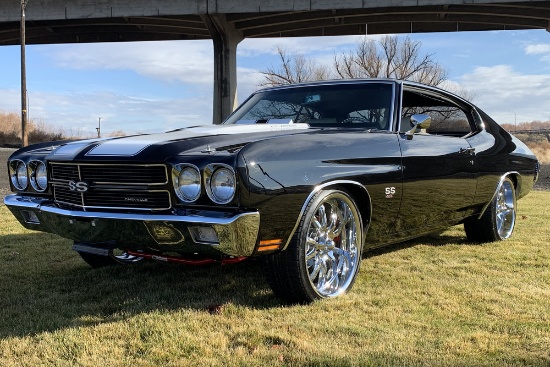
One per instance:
(158, 147)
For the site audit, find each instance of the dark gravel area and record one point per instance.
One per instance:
(542, 184)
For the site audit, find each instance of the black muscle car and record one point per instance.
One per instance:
(306, 176)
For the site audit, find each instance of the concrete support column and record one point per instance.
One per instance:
(225, 38)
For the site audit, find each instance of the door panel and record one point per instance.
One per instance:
(439, 182)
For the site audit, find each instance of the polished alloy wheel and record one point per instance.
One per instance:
(333, 248)
(505, 210)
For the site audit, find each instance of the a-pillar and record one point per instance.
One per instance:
(225, 38)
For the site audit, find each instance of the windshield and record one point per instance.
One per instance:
(362, 105)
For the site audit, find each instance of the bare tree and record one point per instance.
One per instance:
(389, 57)
(294, 68)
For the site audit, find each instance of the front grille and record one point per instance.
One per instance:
(143, 187)
(145, 174)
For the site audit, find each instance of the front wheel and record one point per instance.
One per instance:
(499, 219)
(113, 258)
(323, 258)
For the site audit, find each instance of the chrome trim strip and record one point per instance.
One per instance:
(500, 182)
(80, 179)
(119, 208)
(61, 183)
(113, 165)
(318, 188)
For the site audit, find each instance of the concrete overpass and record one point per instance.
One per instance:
(227, 22)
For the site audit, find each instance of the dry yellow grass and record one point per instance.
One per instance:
(436, 301)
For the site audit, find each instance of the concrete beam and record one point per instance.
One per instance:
(225, 39)
(92, 9)
(40, 10)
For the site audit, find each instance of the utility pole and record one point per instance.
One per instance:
(24, 133)
(98, 128)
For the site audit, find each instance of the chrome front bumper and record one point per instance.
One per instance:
(226, 233)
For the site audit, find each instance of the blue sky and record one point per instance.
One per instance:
(152, 87)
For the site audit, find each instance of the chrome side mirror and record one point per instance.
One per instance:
(418, 122)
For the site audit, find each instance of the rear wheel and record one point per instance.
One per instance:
(499, 219)
(323, 258)
(113, 258)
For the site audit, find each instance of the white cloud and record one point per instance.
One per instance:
(302, 45)
(501, 91)
(175, 61)
(538, 49)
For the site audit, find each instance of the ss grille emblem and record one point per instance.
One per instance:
(79, 186)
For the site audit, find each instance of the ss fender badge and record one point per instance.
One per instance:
(390, 191)
(79, 186)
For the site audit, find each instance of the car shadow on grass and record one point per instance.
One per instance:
(434, 239)
(46, 286)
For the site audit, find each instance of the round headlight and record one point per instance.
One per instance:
(39, 175)
(21, 176)
(222, 185)
(188, 184)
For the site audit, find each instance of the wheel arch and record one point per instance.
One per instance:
(514, 176)
(358, 193)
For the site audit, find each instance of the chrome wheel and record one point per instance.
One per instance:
(498, 220)
(322, 259)
(505, 210)
(333, 245)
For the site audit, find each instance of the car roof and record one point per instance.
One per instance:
(365, 81)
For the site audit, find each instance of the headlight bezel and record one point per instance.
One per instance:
(210, 172)
(14, 166)
(177, 171)
(34, 167)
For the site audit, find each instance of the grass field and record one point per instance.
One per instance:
(437, 301)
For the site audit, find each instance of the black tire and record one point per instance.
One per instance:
(324, 255)
(99, 261)
(499, 219)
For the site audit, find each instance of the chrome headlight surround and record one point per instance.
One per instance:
(18, 174)
(220, 182)
(38, 175)
(187, 182)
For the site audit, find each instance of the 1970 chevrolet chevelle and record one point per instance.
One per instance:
(306, 176)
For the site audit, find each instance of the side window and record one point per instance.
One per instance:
(448, 118)
(376, 118)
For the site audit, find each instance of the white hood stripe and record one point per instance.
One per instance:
(134, 145)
